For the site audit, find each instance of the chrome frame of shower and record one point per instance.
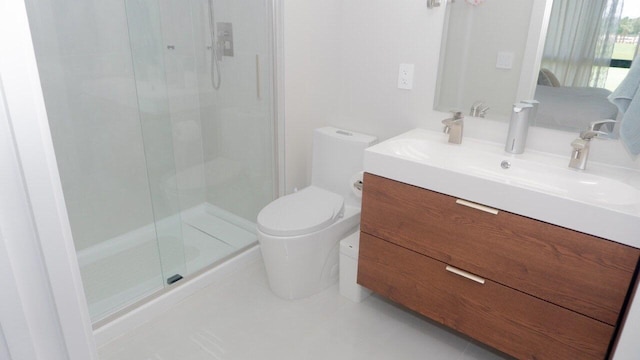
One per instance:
(276, 14)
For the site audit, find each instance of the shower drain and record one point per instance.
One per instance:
(174, 278)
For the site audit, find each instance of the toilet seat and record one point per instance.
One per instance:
(302, 212)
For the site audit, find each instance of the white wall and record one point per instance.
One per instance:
(312, 57)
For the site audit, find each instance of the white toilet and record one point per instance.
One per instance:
(299, 233)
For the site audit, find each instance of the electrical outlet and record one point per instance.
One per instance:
(405, 77)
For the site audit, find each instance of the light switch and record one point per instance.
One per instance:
(505, 60)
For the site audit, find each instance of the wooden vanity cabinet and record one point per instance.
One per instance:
(528, 288)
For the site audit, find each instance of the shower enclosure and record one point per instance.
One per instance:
(161, 114)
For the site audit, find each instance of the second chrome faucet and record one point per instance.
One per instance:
(454, 126)
(582, 145)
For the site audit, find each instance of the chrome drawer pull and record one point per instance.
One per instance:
(477, 206)
(465, 274)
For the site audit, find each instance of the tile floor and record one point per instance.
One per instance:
(239, 318)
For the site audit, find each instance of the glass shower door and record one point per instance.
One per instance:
(149, 70)
(204, 85)
(112, 149)
(212, 61)
(162, 122)
(232, 45)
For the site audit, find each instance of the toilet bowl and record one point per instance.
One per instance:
(299, 233)
(301, 257)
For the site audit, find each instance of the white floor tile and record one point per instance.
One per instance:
(239, 318)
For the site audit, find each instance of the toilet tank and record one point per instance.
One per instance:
(337, 157)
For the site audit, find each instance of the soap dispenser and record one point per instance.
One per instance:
(518, 128)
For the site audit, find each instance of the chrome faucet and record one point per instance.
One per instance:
(479, 109)
(581, 145)
(454, 126)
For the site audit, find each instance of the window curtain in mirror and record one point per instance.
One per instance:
(580, 40)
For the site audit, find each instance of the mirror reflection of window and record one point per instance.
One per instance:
(591, 43)
(625, 48)
(588, 51)
(580, 41)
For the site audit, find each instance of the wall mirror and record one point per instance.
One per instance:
(498, 52)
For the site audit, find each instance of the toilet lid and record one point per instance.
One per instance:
(302, 212)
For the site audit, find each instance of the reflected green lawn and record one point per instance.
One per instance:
(624, 51)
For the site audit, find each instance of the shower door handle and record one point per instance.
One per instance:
(258, 94)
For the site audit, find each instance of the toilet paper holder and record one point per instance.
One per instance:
(358, 184)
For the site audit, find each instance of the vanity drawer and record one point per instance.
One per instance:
(506, 319)
(580, 272)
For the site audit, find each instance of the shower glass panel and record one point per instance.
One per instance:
(87, 75)
(163, 172)
(221, 111)
(147, 53)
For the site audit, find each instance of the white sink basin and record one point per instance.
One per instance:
(602, 200)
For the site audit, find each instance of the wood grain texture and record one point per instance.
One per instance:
(508, 320)
(577, 271)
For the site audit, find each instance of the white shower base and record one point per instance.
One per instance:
(123, 270)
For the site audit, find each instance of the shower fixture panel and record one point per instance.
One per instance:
(225, 38)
